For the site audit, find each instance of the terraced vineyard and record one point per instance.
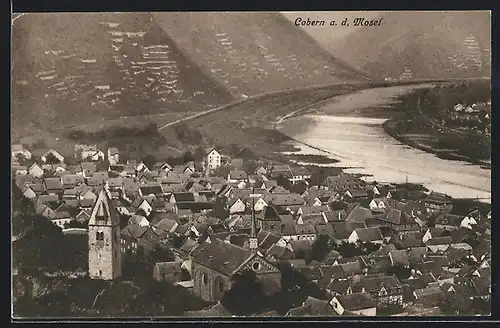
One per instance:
(253, 53)
(77, 68)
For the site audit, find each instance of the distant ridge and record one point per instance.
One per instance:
(424, 45)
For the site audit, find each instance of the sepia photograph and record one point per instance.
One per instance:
(189, 165)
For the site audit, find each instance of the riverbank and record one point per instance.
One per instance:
(414, 129)
(362, 144)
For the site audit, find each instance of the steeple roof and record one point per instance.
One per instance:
(104, 212)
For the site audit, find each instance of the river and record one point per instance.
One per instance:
(349, 129)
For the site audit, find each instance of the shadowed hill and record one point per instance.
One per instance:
(255, 52)
(427, 45)
(75, 68)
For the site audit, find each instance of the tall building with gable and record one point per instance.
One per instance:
(104, 239)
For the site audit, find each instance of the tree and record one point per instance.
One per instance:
(295, 288)
(188, 157)
(221, 210)
(199, 153)
(320, 248)
(149, 161)
(246, 295)
(51, 159)
(282, 181)
(299, 187)
(160, 253)
(349, 250)
(400, 271)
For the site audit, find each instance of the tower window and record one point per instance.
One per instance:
(100, 272)
(99, 235)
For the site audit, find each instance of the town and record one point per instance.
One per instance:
(228, 230)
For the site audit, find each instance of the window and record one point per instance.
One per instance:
(99, 235)
(204, 278)
(100, 272)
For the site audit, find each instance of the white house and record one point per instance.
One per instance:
(372, 235)
(35, 170)
(458, 107)
(213, 159)
(237, 206)
(19, 149)
(146, 207)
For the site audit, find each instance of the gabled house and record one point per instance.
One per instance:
(213, 159)
(386, 290)
(372, 235)
(356, 303)
(438, 203)
(237, 206)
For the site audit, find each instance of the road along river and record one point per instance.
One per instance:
(346, 129)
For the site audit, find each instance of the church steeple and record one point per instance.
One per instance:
(254, 244)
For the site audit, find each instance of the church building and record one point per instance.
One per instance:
(215, 262)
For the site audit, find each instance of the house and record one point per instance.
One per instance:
(451, 222)
(299, 232)
(344, 181)
(36, 171)
(386, 290)
(20, 150)
(236, 206)
(356, 303)
(168, 271)
(71, 180)
(336, 216)
(438, 203)
(358, 213)
(28, 192)
(312, 307)
(144, 236)
(215, 263)
(54, 154)
(237, 176)
(284, 200)
(182, 197)
(299, 174)
(212, 159)
(430, 296)
(269, 219)
(113, 156)
(397, 220)
(372, 235)
(53, 185)
(354, 194)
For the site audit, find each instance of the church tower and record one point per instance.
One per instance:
(254, 243)
(104, 239)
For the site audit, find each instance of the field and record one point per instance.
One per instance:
(251, 124)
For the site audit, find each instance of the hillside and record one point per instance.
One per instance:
(75, 68)
(254, 52)
(425, 45)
